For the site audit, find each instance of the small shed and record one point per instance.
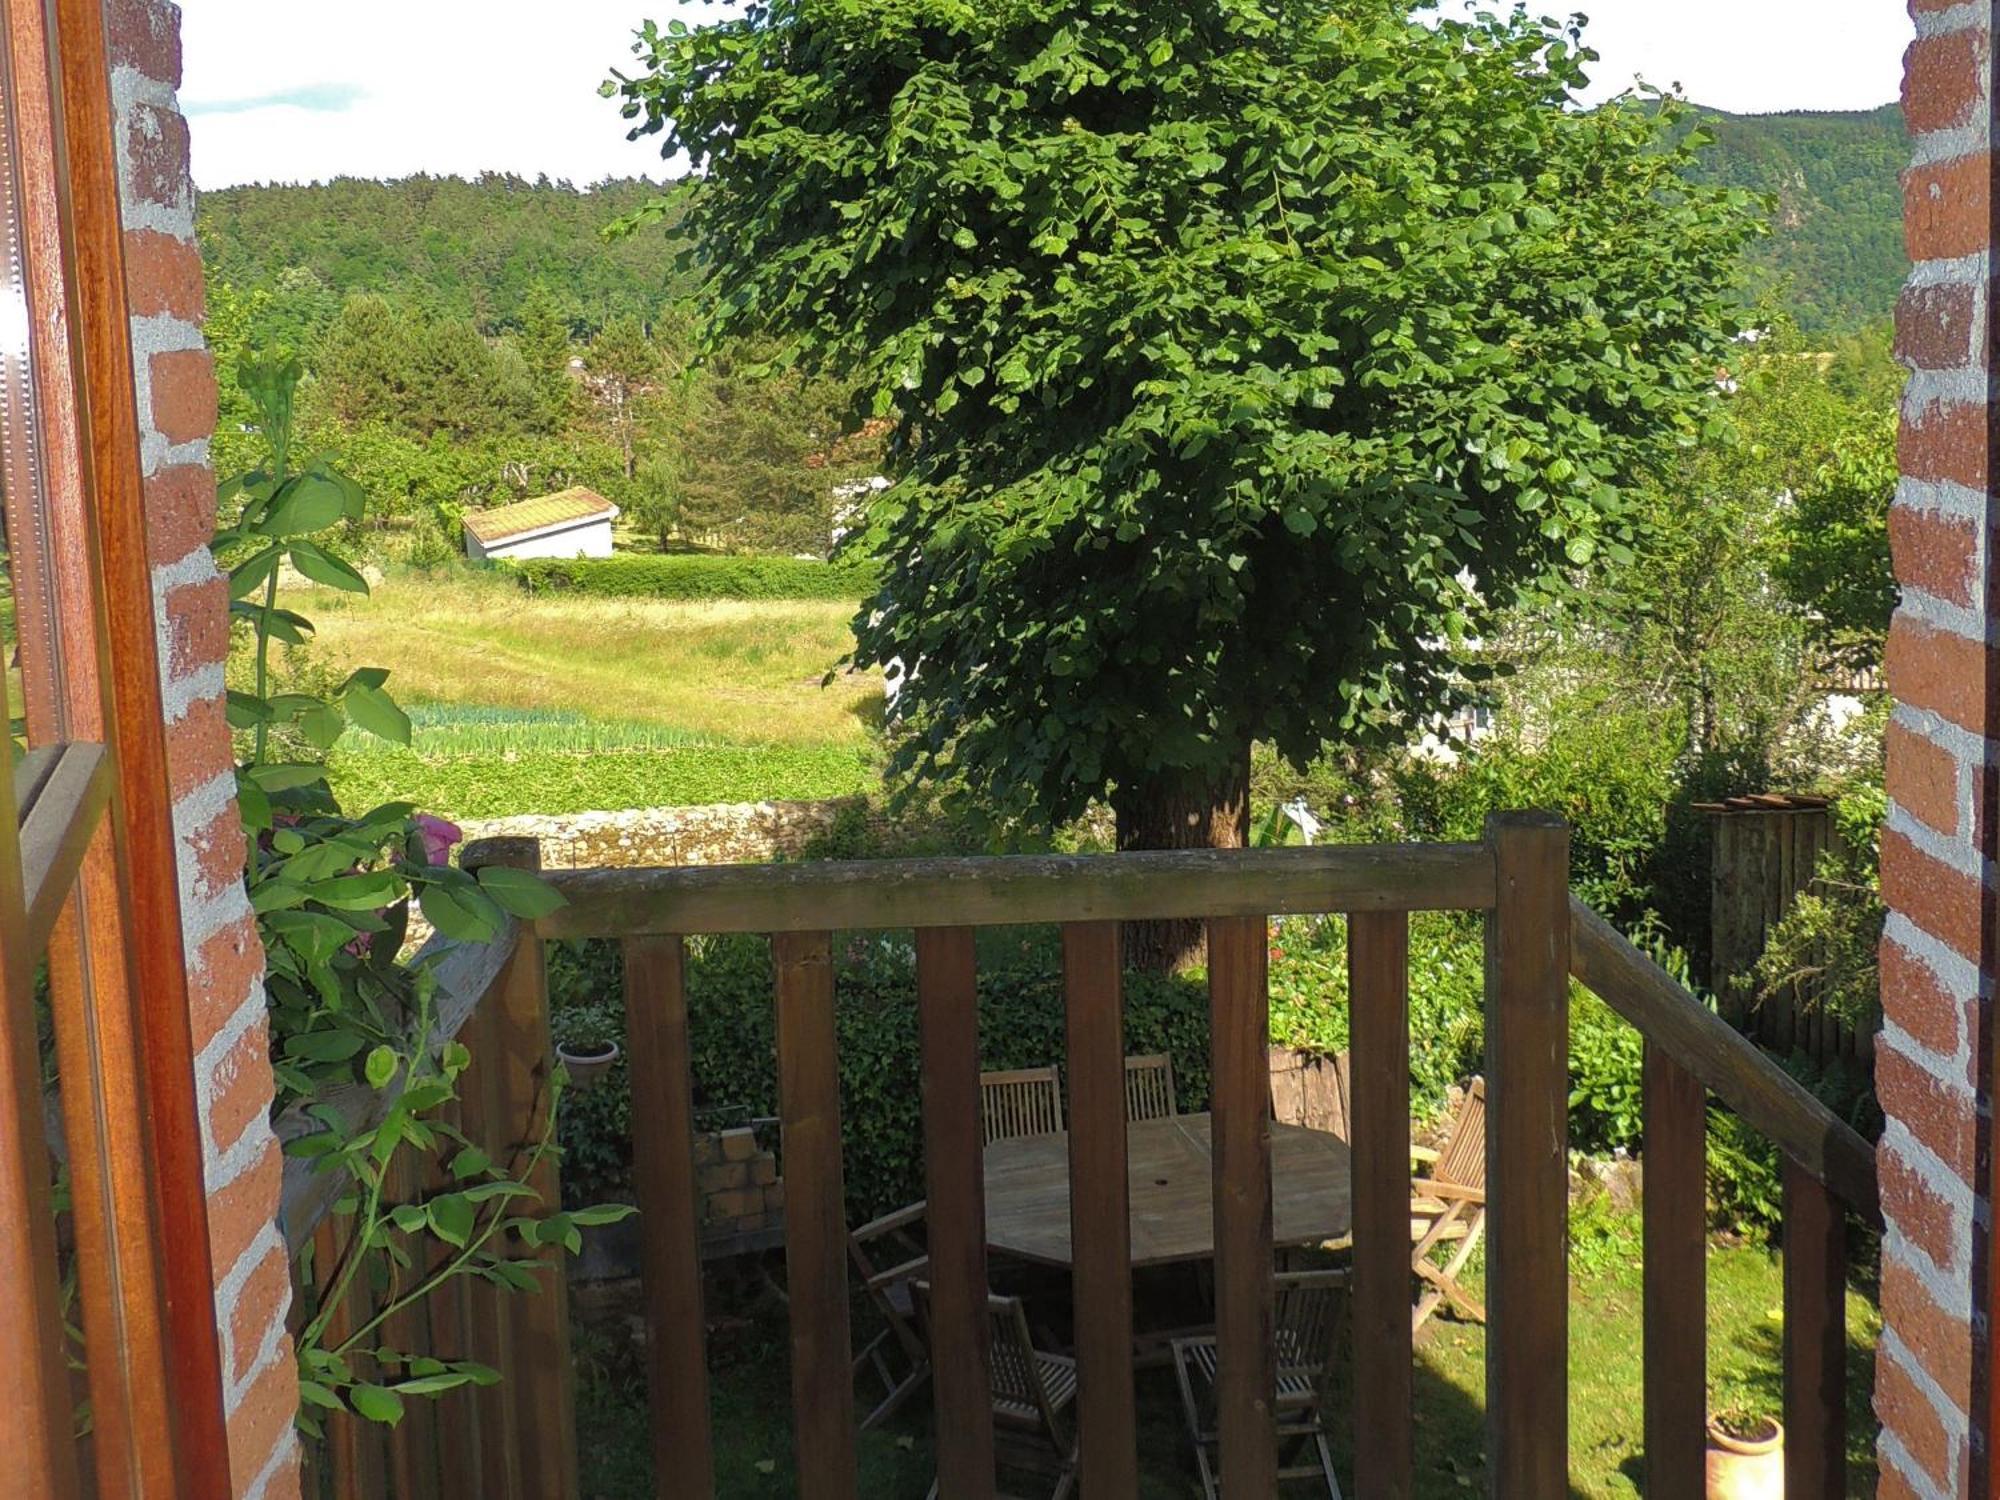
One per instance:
(570, 523)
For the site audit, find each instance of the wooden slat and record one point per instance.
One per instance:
(58, 816)
(1378, 967)
(1675, 1270)
(89, 177)
(1527, 1084)
(412, 1443)
(488, 1327)
(457, 1415)
(656, 1035)
(815, 1217)
(1100, 1222)
(1240, 1131)
(1729, 1066)
(948, 1017)
(539, 1387)
(1815, 1338)
(829, 894)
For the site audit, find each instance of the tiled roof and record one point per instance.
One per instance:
(562, 508)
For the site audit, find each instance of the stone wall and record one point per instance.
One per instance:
(177, 401)
(742, 1196)
(1934, 1057)
(730, 833)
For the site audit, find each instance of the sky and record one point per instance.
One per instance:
(283, 92)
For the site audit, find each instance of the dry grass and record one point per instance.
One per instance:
(743, 672)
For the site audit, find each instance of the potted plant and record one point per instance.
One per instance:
(1746, 1453)
(587, 1057)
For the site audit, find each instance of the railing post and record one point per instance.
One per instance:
(537, 1389)
(1815, 1337)
(1527, 1168)
(1675, 1274)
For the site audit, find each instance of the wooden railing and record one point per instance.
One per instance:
(515, 1440)
(1536, 939)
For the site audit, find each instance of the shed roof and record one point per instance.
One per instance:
(1766, 802)
(565, 507)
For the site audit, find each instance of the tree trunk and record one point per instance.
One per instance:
(1179, 810)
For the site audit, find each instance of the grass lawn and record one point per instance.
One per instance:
(752, 1398)
(560, 704)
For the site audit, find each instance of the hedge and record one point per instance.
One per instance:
(695, 577)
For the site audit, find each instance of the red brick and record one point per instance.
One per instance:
(1941, 1118)
(1943, 80)
(240, 1087)
(1941, 1341)
(228, 962)
(1892, 1485)
(1919, 1211)
(180, 511)
(1905, 1409)
(1937, 670)
(156, 157)
(1923, 778)
(1945, 208)
(184, 395)
(1934, 326)
(198, 747)
(1947, 441)
(218, 854)
(261, 1421)
(144, 35)
(1915, 1000)
(1938, 554)
(197, 627)
(163, 275)
(260, 1305)
(243, 1209)
(1942, 901)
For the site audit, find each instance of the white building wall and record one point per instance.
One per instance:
(586, 539)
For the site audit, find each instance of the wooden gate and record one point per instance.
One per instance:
(89, 885)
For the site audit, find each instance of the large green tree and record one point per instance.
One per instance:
(1245, 355)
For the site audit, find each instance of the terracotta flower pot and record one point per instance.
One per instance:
(588, 1063)
(1746, 1468)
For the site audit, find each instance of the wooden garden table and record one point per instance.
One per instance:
(1170, 1179)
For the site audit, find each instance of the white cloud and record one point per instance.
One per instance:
(383, 88)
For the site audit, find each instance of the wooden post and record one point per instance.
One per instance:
(1246, 1379)
(1527, 1167)
(1815, 1337)
(1378, 969)
(815, 1218)
(1675, 1272)
(948, 1019)
(413, 1460)
(656, 1031)
(538, 1388)
(1100, 1209)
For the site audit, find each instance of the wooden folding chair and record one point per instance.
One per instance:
(1025, 1101)
(1149, 1088)
(1308, 1322)
(889, 1256)
(1033, 1391)
(1448, 1211)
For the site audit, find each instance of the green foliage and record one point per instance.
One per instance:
(1223, 346)
(694, 576)
(1835, 538)
(1835, 255)
(1823, 954)
(426, 375)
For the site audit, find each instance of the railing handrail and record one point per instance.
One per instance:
(1004, 890)
(1727, 1063)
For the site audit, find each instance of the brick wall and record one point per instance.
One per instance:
(1933, 1060)
(177, 393)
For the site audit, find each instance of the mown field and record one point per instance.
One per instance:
(566, 704)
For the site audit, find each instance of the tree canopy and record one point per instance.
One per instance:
(1244, 356)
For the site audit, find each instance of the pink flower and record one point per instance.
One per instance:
(438, 838)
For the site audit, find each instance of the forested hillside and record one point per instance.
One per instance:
(1836, 247)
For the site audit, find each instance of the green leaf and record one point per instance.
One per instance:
(520, 893)
(431, 1385)
(451, 1216)
(309, 503)
(380, 1067)
(454, 916)
(377, 713)
(318, 1395)
(602, 1213)
(377, 1403)
(324, 568)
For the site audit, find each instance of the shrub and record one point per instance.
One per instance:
(695, 577)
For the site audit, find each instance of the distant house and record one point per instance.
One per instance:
(570, 523)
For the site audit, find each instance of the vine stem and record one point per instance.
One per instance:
(280, 453)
